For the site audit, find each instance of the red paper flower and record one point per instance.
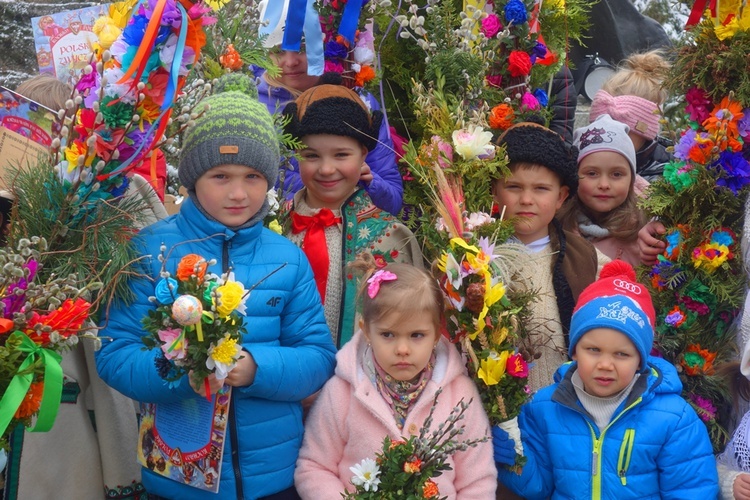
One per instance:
(68, 318)
(501, 116)
(519, 63)
(516, 366)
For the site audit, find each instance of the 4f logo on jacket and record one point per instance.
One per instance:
(273, 301)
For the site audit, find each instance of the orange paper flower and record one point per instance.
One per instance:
(696, 360)
(366, 73)
(31, 401)
(231, 59)
(430, 489)
(502, 116)
(191, 264)
(413, 467)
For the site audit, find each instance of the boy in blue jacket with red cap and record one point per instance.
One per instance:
(614, 424)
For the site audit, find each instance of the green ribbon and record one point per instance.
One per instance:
(21, 382)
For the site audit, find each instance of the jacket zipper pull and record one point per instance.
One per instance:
(594, 462)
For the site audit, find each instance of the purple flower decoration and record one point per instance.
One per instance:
(538, 51)
(743, 126)
(14, 302)
(733, 171)
(686, 142)
(335, 50)
(709, 410)
(674, 318)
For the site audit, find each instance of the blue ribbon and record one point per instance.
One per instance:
(349, 19)
(314, 41)
(176, 61)
(295, 22)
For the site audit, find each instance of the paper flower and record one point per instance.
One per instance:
(492, 368)
(191, 265)
(502, 116)
(366, 474)
(231, 297)
(696, 360)
(515, 12)
(472, 143)
(413, 466)
(174, 345)
(519, 63)
(223, 356)
(491, 25)
(517, 366)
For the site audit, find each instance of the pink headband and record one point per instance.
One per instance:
(376, 279)
(641, 115)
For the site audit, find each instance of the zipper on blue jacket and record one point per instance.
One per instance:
(596, 456)
(626, 450)
(233, 436)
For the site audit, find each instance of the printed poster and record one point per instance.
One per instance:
(27, 118)
(65, 41)
(184, 441)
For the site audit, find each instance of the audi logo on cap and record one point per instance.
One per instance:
(630, 287)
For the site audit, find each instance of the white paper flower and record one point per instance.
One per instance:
(366, 474)
(223, 356)
(476, 219)
(472, 143)
(273, 201)
(363, 55)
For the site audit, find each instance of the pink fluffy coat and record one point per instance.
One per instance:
(350, 418)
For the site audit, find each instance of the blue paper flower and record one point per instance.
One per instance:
(542, 97)
(733, 171)
(515, 12)
(163, 293)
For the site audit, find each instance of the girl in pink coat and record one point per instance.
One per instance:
(385, 382)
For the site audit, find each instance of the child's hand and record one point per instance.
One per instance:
(365, 174)
(199, 385)
(741, 487)
(504, 448)
(648, 243)
(244, 372)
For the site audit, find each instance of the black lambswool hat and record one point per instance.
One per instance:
(335, 110)
(530, 142)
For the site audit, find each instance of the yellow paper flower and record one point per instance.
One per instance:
(223, 356)
(492, 368)
(217, 4)
(230, 297)
(727, 30)
(460, 242)
(107, 31)
(275, 226)
(72, 152)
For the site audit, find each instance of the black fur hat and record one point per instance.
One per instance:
(531, 142)
(335, 110)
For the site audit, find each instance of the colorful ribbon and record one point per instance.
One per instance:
(20, 383)
(314, 243)
(350, 19)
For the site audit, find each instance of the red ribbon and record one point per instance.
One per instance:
(314, 244)
(697, 12)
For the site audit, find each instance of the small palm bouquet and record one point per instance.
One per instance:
(39, 319)
(197, 323)
(405, 469)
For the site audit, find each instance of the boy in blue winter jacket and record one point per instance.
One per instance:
(229, 160)
(614, 424)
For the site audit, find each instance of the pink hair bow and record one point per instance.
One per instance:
(373, 286)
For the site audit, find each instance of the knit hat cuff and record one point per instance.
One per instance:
(226, 150)
(641, 115)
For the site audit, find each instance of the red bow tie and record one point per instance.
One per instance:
(314, 244)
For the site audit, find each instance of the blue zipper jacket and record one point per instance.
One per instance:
(654, 447)
(386, 188)
(286, 335)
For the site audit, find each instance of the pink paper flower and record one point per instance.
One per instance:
(491, 25)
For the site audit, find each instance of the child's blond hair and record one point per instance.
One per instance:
(640, 75)
(46, 90)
